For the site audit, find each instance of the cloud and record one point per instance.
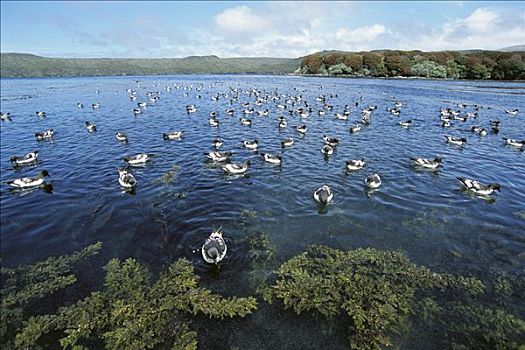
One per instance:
(481, 20)
(359, 35)
(240, 19)
(290, 29)
(294, 29)
(484, 28)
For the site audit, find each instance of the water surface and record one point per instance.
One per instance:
(420, 213)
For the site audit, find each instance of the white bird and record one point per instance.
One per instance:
(28, 159)
(355, 128)
(331, 141)
(301, 129)
(288, 142)
(514, 143)
(214, 122)
(456, 140)
(126, 179)
(191, 109)
(214, 248)
(428, 163)
(282, 122)
(323, 195)
(138, 159)
(512, 111)
(5, 116)
(27, 182)
(479, 130)
(406, 123)
(373, 181)
(45, 135)
(246, 122)
(327, 150)
(91, 127)
(273, 159)
(218, 157)
(41, 114)
(217, 143)
(173, 135)
(121, 137)
(477, 188)
(253, 145)
(355, 164)
(235, 169)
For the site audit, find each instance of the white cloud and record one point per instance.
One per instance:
(294, 29)
(359, 35)
(484, 28)
(481, 20)
(240, 19)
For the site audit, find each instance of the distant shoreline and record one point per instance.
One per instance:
(391, 64)
(260, 74)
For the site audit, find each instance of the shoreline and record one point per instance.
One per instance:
(341, 76)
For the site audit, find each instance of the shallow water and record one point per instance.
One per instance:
(420, 213)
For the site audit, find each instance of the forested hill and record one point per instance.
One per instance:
(472, 64)
(15, 65)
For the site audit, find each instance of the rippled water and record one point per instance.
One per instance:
(418, 212)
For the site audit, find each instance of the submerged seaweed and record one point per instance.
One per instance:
(377, 291)
(168, 177)
(377, 296)
(26, 283)
(133, 313)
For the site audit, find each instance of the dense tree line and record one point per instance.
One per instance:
(441, 64)
(15, 65)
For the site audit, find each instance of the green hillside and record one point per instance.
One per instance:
(15, 65)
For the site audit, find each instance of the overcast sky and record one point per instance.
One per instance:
(274, 29)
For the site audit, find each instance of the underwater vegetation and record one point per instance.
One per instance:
(168, 177)
(134, 313)
(377, 295)
(24, 284)
(377, 291)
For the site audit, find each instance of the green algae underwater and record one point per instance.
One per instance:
(379, 297)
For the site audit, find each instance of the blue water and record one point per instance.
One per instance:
(420, 213)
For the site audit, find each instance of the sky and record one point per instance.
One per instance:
(151, 29)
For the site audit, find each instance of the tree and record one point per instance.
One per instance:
(455, 70)
(354, 61)
(509, 70)
(333, 58)
(371, 60)
(429, 69)
(339, 68)
(479, 71)
(312, 63)
(393, 63)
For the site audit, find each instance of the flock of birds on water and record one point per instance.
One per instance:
(214, 248)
